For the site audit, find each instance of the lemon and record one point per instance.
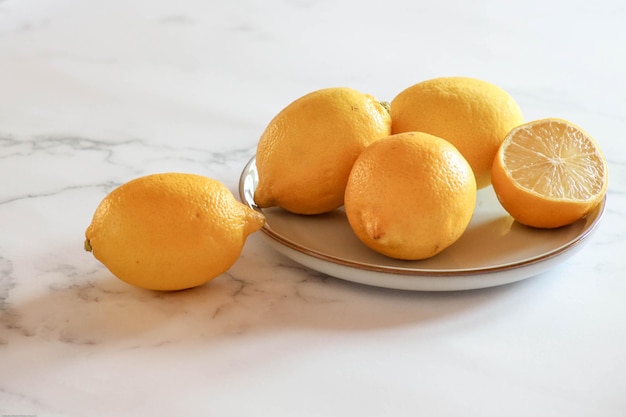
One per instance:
(305, 154)
(474, 115)
(410, 195)
(170, 231)
(549, 173)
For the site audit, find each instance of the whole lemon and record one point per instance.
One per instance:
(474, 115)
(170, 231)
(410, 196)
(305, 154)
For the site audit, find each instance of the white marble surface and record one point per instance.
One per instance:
(94, 93)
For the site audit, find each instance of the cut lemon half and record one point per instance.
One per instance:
(549, 173)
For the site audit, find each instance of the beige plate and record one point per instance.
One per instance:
(494, 250)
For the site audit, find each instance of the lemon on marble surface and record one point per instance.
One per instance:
(410, 195)
(474, 115)
(170, 231)
(305, 154)
(549, 173)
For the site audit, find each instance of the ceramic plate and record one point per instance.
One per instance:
(494, 250)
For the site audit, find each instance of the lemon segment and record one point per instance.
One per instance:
(549, 173)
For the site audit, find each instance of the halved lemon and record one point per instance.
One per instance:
(549, 173)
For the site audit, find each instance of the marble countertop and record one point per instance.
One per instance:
(95, 93)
